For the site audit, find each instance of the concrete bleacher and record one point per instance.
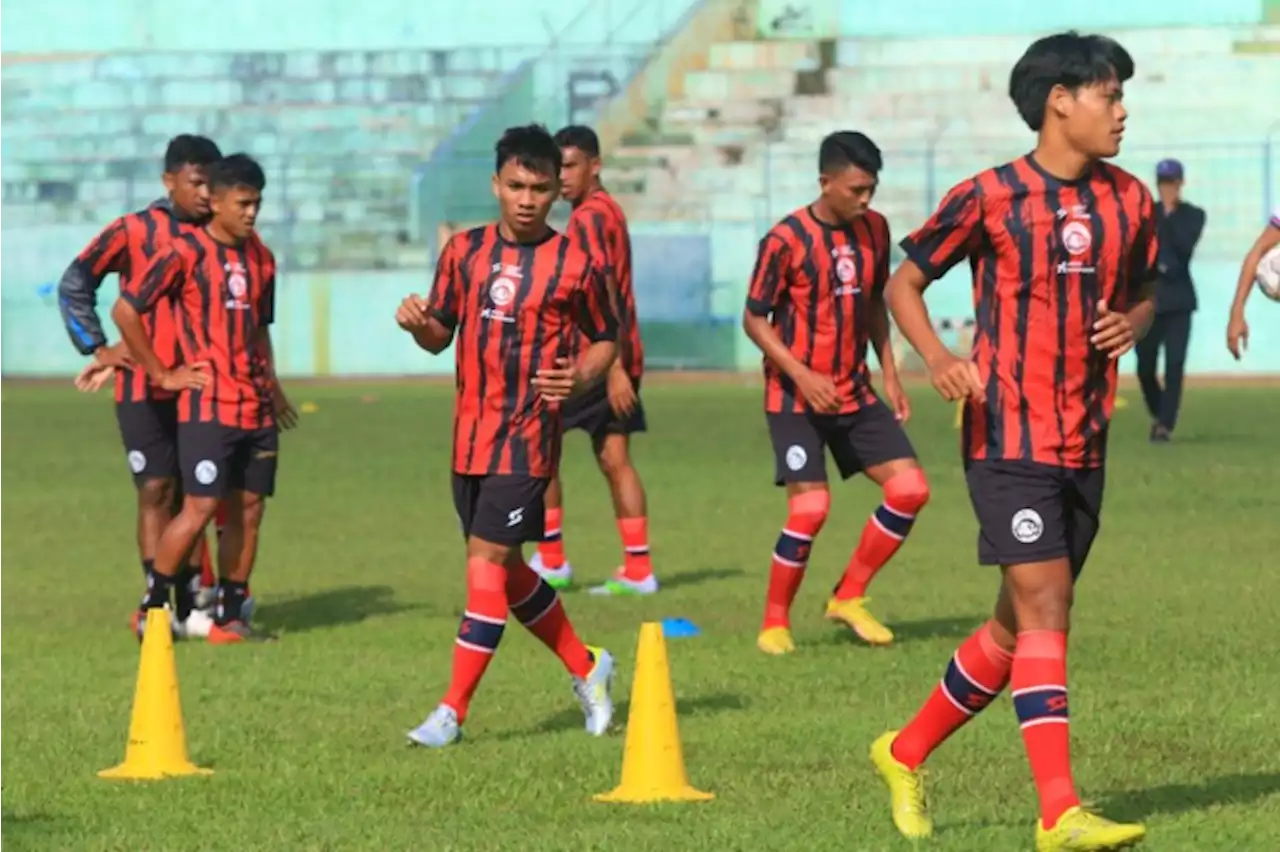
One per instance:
(749, 123)
(337, 133)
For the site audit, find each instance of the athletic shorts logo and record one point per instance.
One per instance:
(796, 457)
(206, 472)
(1027, 526)
(514, 517)
(137, 461)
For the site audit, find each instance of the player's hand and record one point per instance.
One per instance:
(1237, 335)
(819, 391)
(412, 314)
(897, 398)
(188, 376)
(1112, 332)
(286, 414)
(94, 376)
(113, 356)
(955, 378)
(622, 394)
(556, 384)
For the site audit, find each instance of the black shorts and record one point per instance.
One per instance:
(502, 508)
(149, 430)
(1030, 512)
(217, 459)
(592, 414)
(869, 436)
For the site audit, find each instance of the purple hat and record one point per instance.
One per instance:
(1169, 170)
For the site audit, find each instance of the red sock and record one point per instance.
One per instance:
(538, 608)
(207, 578)
(551, 548)
(1040, 699)
(635, 546)
(806, 513)
(977, 673)
(479, 633)
(904, 496)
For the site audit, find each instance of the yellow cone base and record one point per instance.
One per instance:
(652, 760)
(157, 738)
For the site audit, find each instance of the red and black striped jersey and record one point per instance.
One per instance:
(817, 282)
(1044, 253)
(600, 226)
(223, 295)
(516, 308)
(123, 247)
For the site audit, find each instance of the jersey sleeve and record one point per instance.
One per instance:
(445, 301)
(950, 235)
(593, 308)
(267, 303)
(587, 230)
(78, 287)
(1144, 256)
(162, 277)
(769, 278)
(883, 240)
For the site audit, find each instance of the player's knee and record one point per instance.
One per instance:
(614, 460)
(908, 490)
(810, 506)
(199, 509)
(253, 507)
(156, 494)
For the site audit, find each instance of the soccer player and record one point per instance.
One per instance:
(816, 300)
(1237, 328)
(146, 413)
(611, 412)
(222, 280)
(1063, 251)
(516, 294)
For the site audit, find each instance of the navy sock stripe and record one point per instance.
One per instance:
(1040, 704)
(551, 536)
(535, 606)
(893, 522)
(793, 548)
(970, 695)
(479, 633)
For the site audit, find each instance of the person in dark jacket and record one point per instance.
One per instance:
(1180, 227)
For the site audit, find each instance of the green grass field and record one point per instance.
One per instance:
(1175, 673)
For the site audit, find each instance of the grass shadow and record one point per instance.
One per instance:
(330, 608)
(950, 627)
(716, 702)
(697, 578)
(1239, 789)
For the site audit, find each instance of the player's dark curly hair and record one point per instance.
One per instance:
(581, 137)
(189, 149)
(532, 146)
(237, 170)
(1066, 59)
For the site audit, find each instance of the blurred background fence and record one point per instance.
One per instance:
(375, 124)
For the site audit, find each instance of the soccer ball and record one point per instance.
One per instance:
(1268, 274)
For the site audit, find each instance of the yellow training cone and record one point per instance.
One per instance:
(157, 739)
(652, 760)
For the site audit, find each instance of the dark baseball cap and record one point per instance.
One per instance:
(1169, 170)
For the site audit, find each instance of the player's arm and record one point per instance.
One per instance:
(164, 275)
(880, 334)
(431, 321)
(950, 235)
(78, 294)
(594, 315)
(286, 415)
(1237, 328)
(769, 281)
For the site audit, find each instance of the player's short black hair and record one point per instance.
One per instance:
(846, 148)
(237, 170)
(1065, 59)
(581, 137)
(189, 149)
(532, 146)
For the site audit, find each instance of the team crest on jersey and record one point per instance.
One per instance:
(237, 285)
(1076, 236)
(846, 271)
(503, 284)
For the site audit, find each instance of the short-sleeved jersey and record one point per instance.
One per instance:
(818, 282)
(516, 308)
(600, 226)
(222, 294)
(1044, 253)
(123, 247)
